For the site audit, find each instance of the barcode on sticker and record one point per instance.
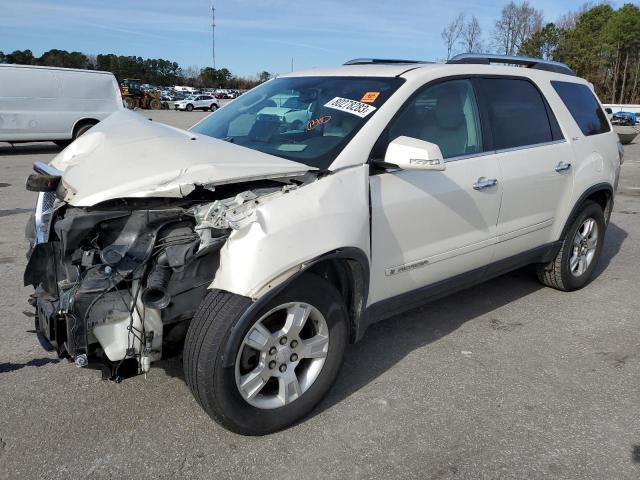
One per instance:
(350, 106)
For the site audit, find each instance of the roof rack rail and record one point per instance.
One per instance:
(536, 63)
(382, 61)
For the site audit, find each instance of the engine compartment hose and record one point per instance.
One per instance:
(155, 293)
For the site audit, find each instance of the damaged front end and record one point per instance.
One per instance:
(120, 280)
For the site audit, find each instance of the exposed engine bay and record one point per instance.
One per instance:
(118, 282)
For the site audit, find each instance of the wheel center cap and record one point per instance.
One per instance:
(283, 354)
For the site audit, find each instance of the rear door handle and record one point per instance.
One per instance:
(563, 167)
(483, 183)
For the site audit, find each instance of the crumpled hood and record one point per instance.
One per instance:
(127, 155)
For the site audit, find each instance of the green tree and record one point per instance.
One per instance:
(62, 58)
(583, 48)
(263, 76)
(622, 35)
(543, 43)
(21, 57)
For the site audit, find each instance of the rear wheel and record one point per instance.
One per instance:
(581, 248)
(82, 129)
(213, 107)
(280, 361)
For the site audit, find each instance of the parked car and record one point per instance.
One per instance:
(197, 102)
(180, 88)
(275, 247)
(53, 104)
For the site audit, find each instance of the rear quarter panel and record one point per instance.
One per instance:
(595, 157)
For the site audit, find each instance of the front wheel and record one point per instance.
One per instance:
(189, 108)
(581, 248)
(280, 361)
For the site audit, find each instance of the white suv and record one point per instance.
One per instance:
(269, 245)
(197, 102)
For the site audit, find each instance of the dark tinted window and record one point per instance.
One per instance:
(517, 112)
(583, 106)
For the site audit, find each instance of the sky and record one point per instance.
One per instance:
(250, 35)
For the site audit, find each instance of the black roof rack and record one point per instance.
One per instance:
(381, 61)
(536, 63)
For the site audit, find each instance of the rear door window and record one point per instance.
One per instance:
(517, 112)
(583, 106)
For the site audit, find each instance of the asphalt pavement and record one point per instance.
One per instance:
(504, 380)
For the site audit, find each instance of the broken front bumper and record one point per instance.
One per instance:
(112, 282)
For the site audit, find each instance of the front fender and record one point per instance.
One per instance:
(328, 214)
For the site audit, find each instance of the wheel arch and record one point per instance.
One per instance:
(346, 268)
(601, 193)
(83, 121)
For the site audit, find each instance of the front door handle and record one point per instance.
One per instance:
(563, 167)
(483, 183)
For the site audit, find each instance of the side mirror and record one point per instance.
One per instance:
(413, 154)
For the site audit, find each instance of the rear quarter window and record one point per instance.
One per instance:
(583, 106)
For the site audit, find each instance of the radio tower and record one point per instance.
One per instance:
(213, 35)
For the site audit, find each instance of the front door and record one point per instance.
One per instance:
(428, 226)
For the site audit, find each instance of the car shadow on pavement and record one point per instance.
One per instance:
(388, 342)
(614, 238)
(28, 148)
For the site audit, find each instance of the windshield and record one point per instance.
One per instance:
(305, 119)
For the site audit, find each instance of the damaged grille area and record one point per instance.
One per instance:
(112, 282)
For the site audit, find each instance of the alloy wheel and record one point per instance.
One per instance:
(282, 355)
(585, 243)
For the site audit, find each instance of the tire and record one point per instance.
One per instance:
(189, 108)
(82, 129)
(563, 273)
(217, 328)
(213, 107)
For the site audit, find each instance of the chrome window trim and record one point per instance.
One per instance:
(469, 155)
(503, 150)
(534, 145)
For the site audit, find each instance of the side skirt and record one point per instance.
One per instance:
(407, 301)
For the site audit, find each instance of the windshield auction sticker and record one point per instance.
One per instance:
(350, 106)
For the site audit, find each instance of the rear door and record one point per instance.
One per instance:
(535, 162)
(427, 226)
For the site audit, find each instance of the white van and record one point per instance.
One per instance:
(58, 104)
